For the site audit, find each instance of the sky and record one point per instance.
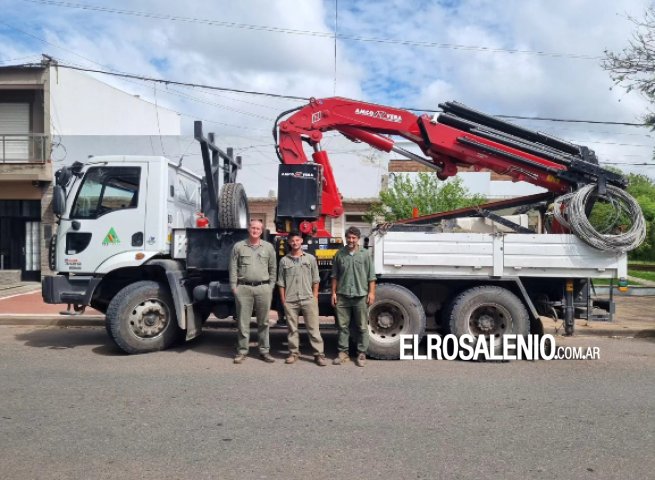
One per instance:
(531, 58)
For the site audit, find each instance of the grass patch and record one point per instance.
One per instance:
(645, 275)
(649, 276)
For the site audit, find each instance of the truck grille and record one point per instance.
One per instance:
(52, 252)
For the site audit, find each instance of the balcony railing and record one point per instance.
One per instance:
(23, 148)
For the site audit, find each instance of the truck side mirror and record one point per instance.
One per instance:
(58, 200)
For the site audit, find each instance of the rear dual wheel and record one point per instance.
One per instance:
(490, 311)
(396, 311)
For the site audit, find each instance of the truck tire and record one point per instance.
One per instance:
(396, 311)
(141, 318)
(233, 207)
(488, 310)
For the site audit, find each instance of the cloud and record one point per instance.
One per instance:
(468, 57)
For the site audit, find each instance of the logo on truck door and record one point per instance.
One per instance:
(111, 238)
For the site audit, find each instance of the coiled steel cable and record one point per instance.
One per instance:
(570, 211)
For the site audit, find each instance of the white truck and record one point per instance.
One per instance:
(127, 246)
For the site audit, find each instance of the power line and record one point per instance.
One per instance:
(186, 84)
(335, 35)
(168, 90)
(630, 164)
(541, 119)
(287, 97)
(550, 119)
(294, 97)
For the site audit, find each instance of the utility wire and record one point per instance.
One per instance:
(295, 97)
(265, 28)
(186, 84)
(287, 97)
(336, 32)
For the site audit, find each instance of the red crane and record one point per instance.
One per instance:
(457, 137)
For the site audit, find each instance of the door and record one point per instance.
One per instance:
(14, 131)
(106, 220)
(31, 270)
(20, 247)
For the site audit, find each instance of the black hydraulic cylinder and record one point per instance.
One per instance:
(505, 138)
(468, 113)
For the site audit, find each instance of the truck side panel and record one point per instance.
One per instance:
(477, 255)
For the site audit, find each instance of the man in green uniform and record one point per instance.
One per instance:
(252, 276)
(353, 289)
(298, 282)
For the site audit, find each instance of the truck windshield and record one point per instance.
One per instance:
(107, 189)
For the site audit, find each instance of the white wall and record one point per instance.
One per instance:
(82, 105)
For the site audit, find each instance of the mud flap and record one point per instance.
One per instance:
(186, 317)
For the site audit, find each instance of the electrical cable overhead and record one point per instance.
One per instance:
(187, 84)
(273, 95)
(295, 97)
(265, 28)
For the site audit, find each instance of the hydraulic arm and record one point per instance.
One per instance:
(457, 137)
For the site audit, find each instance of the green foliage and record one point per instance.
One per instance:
(427, 193)
(642, 189)
(603, 215)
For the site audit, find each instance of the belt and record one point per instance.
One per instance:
(252, 284)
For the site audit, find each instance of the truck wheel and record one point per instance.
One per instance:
(233, 207)
(396, 311)
(490, 311)
(141, 318)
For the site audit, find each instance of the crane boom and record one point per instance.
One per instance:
(458, 137)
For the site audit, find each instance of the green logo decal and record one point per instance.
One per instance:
(111, 238)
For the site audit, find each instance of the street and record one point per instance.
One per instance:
(73, 406)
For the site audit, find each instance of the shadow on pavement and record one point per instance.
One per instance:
(65, 338)
(219, 342)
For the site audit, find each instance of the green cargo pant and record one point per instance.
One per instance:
(308, 308)
(355, 308)
(247, 298)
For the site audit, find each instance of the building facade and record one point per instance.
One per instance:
(46, 114)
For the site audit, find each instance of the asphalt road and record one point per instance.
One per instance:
(73, 406)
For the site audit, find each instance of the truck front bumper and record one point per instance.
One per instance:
(76, 290)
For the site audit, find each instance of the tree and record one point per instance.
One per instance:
(634, 67)
(642, 189)
(427, 193)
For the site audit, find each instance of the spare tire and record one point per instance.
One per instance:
(233, 207)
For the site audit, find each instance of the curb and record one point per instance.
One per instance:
(52, 320)
(617, 331)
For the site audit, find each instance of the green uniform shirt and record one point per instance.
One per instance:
(353, 272)
(297, 275)
(250, 263)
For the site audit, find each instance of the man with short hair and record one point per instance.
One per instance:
(252, 276)
(353, 289)
(298, 283)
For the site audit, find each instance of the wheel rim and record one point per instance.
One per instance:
(387, 320)
(490, 319)
(149, 319)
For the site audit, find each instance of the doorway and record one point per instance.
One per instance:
(20, 246)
